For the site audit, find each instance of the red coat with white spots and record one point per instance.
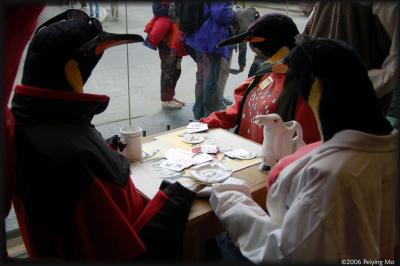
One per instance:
(262, 100)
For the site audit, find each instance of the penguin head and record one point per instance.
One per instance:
(269, 120)
(65, 49)
(268, 34)
(333, 79)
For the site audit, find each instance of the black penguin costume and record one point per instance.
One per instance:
(344, 80)
(74, 198)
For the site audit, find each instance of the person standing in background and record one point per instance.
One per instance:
(71, 3)
(243, 19)
(97, 8)
(215, 28)
(114, 10)
(166, 36)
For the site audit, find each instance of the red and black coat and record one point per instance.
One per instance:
(74, 198)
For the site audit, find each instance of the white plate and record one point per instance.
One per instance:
(209, 173)
(192, 138)
(196, 127)
(241, 154)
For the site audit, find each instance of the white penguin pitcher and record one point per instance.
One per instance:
(280, 139)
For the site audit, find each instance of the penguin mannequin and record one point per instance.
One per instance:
(64, 51)
(333, 80)
(270, 37)
(279, 140)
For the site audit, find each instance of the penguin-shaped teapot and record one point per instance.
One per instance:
(280, 139)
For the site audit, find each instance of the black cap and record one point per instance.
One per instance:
(272, 26)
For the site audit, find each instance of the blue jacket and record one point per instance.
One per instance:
(214, 29)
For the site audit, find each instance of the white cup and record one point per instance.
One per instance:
(132, 137)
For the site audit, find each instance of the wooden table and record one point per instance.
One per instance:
(202, 223)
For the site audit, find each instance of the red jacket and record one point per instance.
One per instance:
(262, 99)
(161, 28)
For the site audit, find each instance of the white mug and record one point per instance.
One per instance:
(132, 137)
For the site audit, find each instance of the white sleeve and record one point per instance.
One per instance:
(247, 223)
(385, 78)
(261, 239)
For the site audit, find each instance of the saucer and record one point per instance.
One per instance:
(209, 173)
(240, 154)
(192, 138)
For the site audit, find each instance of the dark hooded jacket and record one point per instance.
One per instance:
(74, 197)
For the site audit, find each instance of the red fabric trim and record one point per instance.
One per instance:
(151, 209)
(60, 95)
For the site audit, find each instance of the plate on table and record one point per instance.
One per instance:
(193, 127)
(192, 138)
(240, 154)
(209, 173)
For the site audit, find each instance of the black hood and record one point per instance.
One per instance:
(347, 97)
(51, 48)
